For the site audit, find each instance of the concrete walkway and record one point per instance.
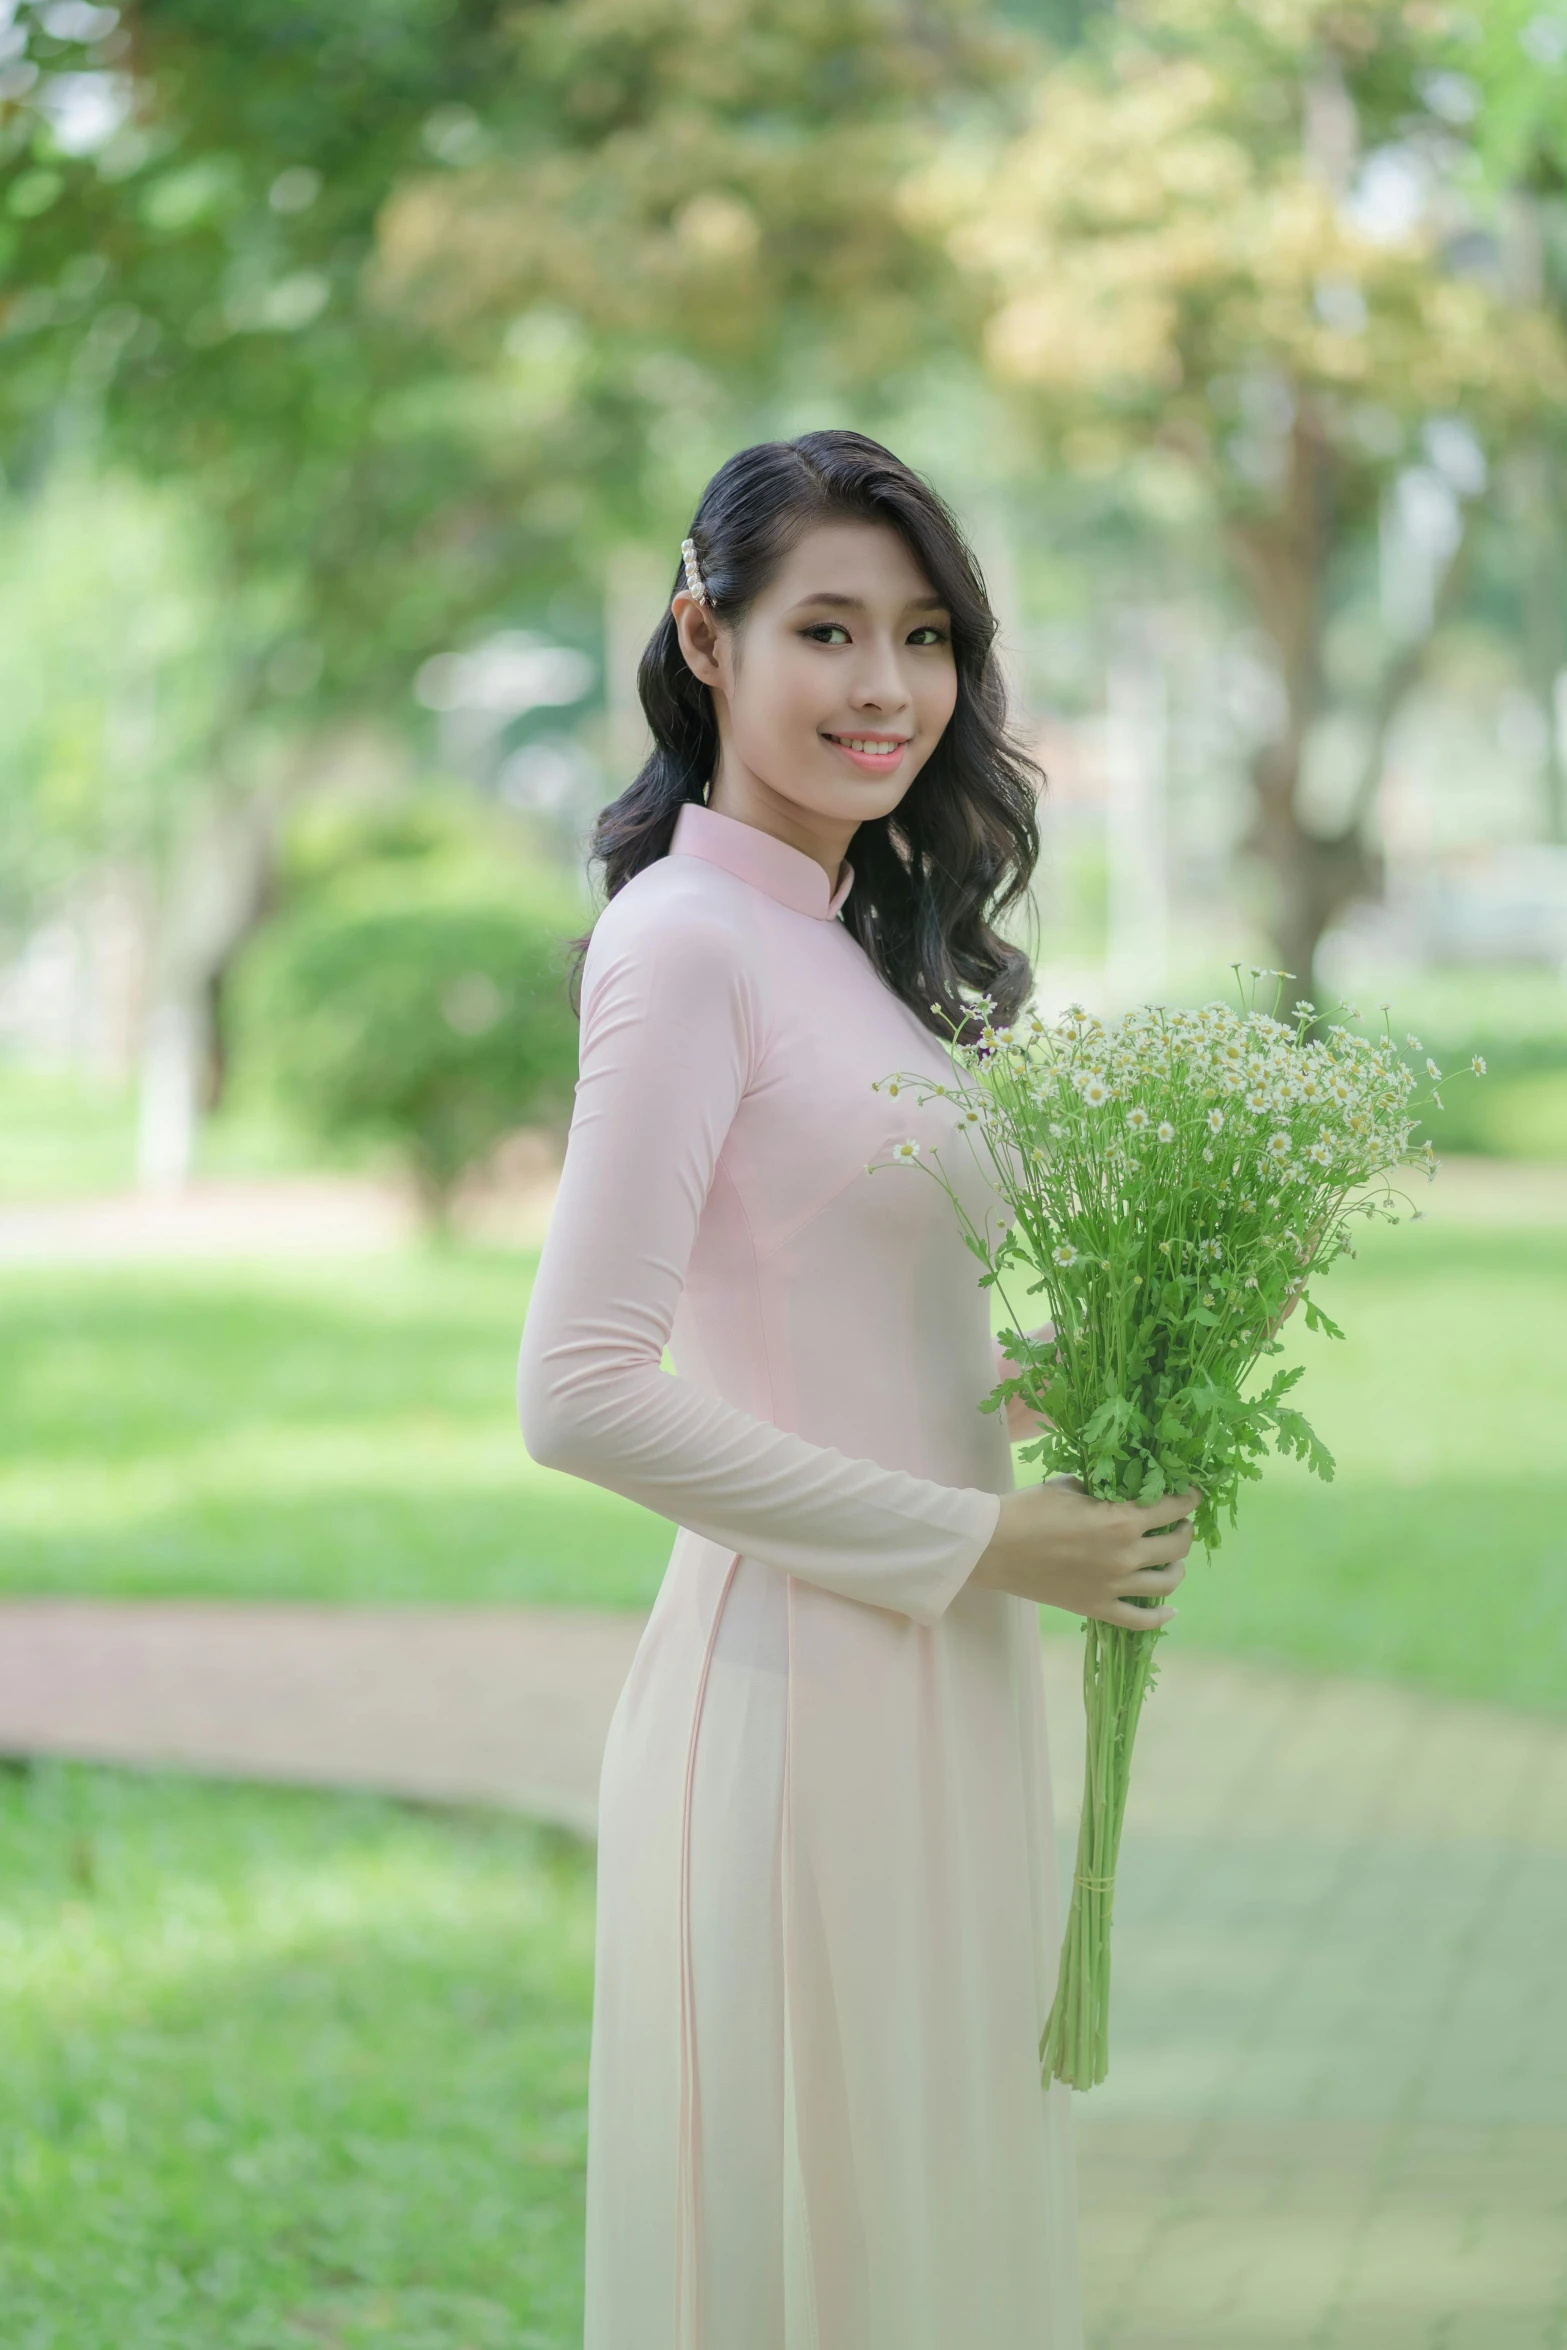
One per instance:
(1337, 2112)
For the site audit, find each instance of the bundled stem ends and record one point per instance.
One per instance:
(1118, 1673)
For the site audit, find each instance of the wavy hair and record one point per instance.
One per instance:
(960, 847)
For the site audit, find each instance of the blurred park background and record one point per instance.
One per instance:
(360, 364)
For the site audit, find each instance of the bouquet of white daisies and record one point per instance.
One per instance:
(1173, 1181)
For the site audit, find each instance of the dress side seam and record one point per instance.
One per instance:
(688, 2311)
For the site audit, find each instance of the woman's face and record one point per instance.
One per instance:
(838, 684)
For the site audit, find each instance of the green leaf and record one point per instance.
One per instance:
(1316, 1319)
(1113, 1416)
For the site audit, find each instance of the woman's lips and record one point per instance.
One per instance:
(872, 754)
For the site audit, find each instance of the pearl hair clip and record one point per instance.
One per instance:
(694, 581)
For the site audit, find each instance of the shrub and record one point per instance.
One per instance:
(423, 1003)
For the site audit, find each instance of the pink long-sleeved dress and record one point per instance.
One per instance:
(827, 1924)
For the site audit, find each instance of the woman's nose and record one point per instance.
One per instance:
(880, 685)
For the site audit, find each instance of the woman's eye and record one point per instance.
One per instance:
(828, 631)
(929, 635)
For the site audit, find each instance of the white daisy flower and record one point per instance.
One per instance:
(1093, 1089)
(1063, 1254)
(1215, 1121)
(1136, 1118)
(1278, 1146)
(905, 1150)
(1321, 1152)
(1165, 1131)
(1478, 1065)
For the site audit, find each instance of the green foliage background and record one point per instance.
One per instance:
(415, 991)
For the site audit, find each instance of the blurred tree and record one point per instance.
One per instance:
(1516, 88)
(413, 294)
(425, 303)
(1237, 237)
(107, 679)
(411, 993)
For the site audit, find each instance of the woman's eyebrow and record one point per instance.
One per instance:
(930, 603)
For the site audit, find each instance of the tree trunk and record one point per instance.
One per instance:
(220, 892)
(1284, 557)
(1316, 877)
(1536, 472)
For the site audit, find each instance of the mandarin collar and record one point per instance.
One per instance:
(769, 864)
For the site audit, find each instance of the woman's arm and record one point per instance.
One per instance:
(671, 1031)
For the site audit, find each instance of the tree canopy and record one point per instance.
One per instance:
(1254, 239)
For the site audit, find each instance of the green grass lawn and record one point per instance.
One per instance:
(1438, 1555)
(342, 1432)
(347, 1432)
(64, 1137)
(286, 2070)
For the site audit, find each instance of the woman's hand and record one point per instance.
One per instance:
(1055, 1544)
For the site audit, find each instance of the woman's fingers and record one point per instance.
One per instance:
(1157, 1550)
(1165, 1511)
(1151, 1579)
(1136, 1619)
(1059, 1545)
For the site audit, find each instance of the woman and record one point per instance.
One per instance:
(827, 1913)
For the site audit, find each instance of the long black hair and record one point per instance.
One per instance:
(961, 845)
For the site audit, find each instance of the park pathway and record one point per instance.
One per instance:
(1337, 2113)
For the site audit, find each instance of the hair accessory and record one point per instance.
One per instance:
(694, 580)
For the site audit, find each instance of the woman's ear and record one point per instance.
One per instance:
(698, 634)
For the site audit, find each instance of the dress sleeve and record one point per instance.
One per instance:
(671, 1029)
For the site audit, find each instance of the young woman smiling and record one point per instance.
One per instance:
(827, 1925)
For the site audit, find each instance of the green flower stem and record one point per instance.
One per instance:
(1117, 1675)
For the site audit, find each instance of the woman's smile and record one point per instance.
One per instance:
(873, 754)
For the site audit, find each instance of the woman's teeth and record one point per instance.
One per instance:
(871, 747)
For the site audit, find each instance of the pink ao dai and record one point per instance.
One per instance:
(828, 1924)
